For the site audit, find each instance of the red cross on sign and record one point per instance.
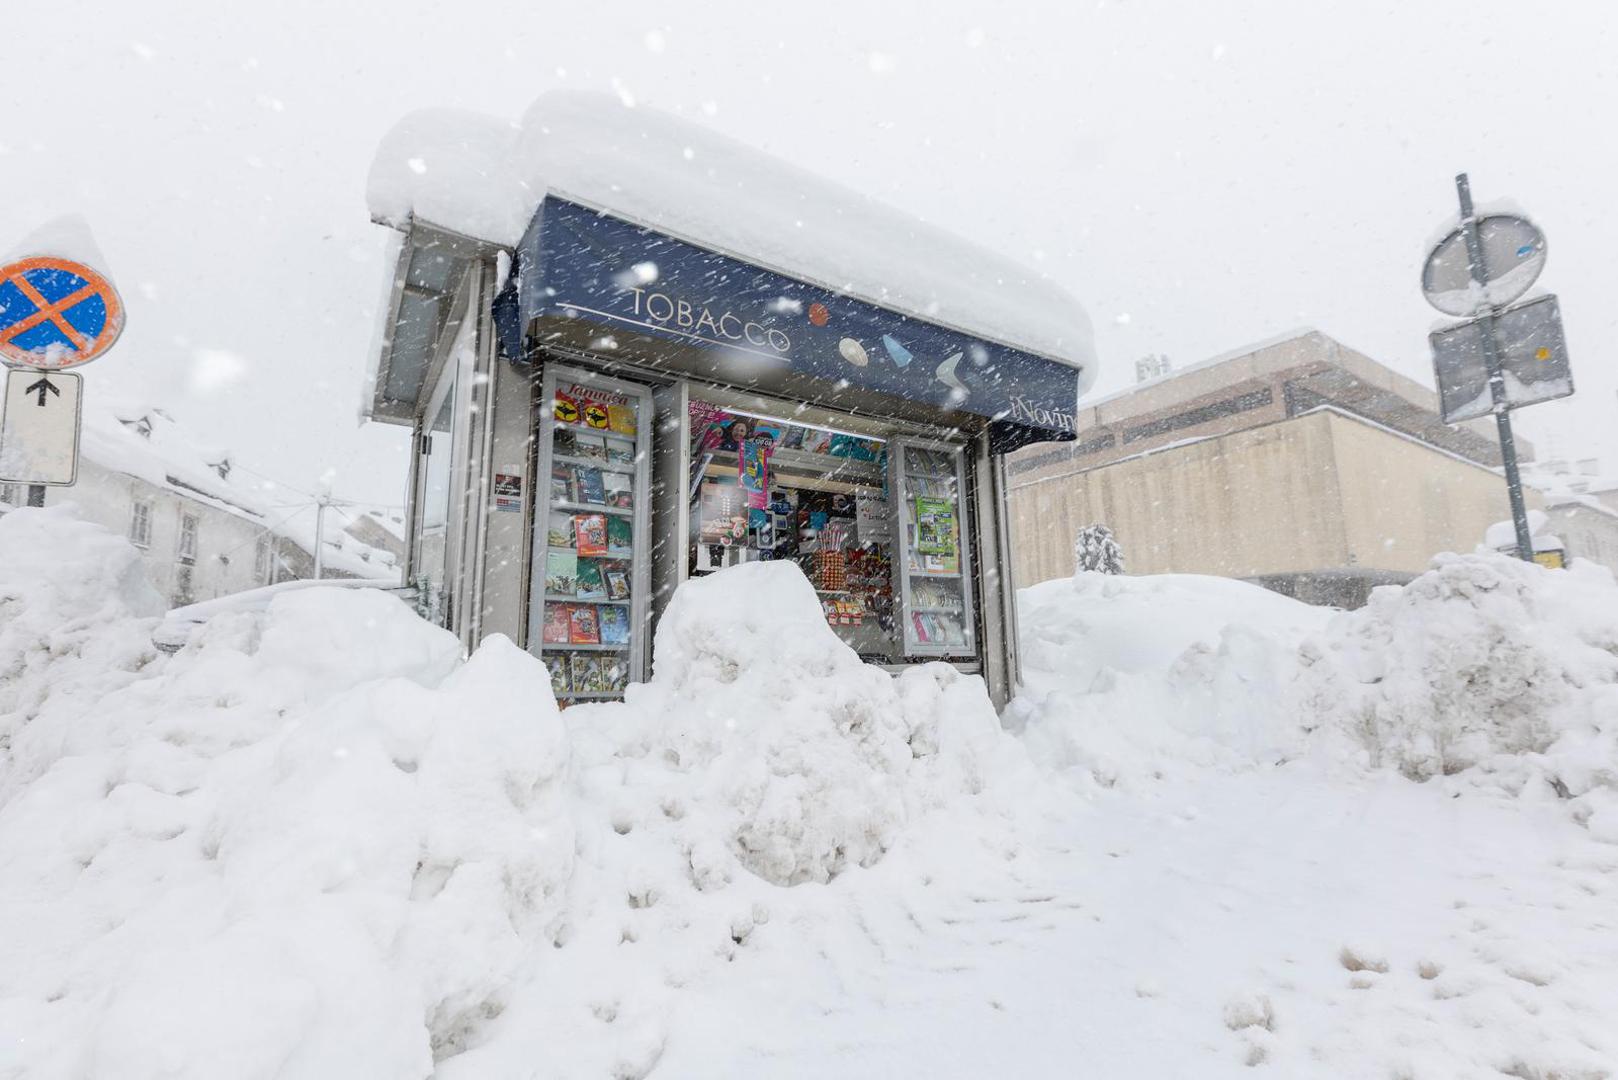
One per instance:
(55, 313)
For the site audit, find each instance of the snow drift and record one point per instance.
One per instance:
(315, 842)
(1501, 671)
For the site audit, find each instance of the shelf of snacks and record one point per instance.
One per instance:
(934, 571)
(590, 573)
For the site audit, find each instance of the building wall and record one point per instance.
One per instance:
(1404, 502)
(226, 543)
(1253, 502)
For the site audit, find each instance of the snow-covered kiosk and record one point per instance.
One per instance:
(635, 352)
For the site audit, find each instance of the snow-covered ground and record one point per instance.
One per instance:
(1219, 832)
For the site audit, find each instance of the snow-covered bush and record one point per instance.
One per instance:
(1095, 551)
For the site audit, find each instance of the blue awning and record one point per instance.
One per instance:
(589, 280)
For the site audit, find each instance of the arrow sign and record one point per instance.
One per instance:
(40, 445)
(41, 386)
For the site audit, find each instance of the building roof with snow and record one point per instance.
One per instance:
(483, 178)
(1283, 376)
(143, 440)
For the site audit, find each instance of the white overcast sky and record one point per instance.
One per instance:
(1200, 175)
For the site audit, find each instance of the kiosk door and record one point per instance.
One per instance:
(591, 575)
(933, 569)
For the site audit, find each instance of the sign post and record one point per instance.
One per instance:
(1497, 378)
(1517, 353)
(54, 314)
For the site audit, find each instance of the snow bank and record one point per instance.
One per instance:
(307, 845)
(313, 842)
(485, 177)
(1483, 662)
(806, 760)
(1485, 666)
(1131, 679)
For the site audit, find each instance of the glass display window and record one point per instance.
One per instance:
(768, 487)
(590, 572)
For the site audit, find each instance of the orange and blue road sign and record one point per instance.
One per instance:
(56, 313)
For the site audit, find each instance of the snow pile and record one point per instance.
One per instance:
(485, 177)
(1484, 664)
(1131, 679)
(314, 842)
(808, 761)
(306, 845)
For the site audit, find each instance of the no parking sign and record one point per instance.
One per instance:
(55, 313)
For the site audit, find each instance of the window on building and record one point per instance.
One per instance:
(140, 524)
(184, 593)
(8, 494)
(261, 559)
(188, 538)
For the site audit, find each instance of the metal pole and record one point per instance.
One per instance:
(36, 494)
(1497, 375)
(320, 535)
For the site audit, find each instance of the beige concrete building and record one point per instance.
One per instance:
(1301, 464)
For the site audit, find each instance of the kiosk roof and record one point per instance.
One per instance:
(484, 177)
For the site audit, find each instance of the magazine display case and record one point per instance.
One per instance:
(933, 570)
(590, 578)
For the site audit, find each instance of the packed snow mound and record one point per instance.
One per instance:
(61, 571)
(1486, 666)
(1127, 680)
(1480, 659)
(808, 761)
(313, 842)
(1091, 622)
(302, 846)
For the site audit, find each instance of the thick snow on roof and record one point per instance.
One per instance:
(484, 178)
(142, 440)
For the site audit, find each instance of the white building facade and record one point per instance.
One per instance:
(202, 531)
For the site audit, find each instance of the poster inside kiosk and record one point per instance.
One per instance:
(39, 431)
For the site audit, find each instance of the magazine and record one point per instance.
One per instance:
(561, 572)
(620, 453)
(721, 513)
(614, 625)
(935, 526)
(563, 484)
(593, 447)
(614, 674)
(558, 626)
(565, 443)
(560, 532)
(586, 673)
(617, 577)
(816, 440)
(583, 629)
(561, 675)
(590, 531)
(619, 489)
(590, 488)
(589, 585)
(621, 418)
(620, 536)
